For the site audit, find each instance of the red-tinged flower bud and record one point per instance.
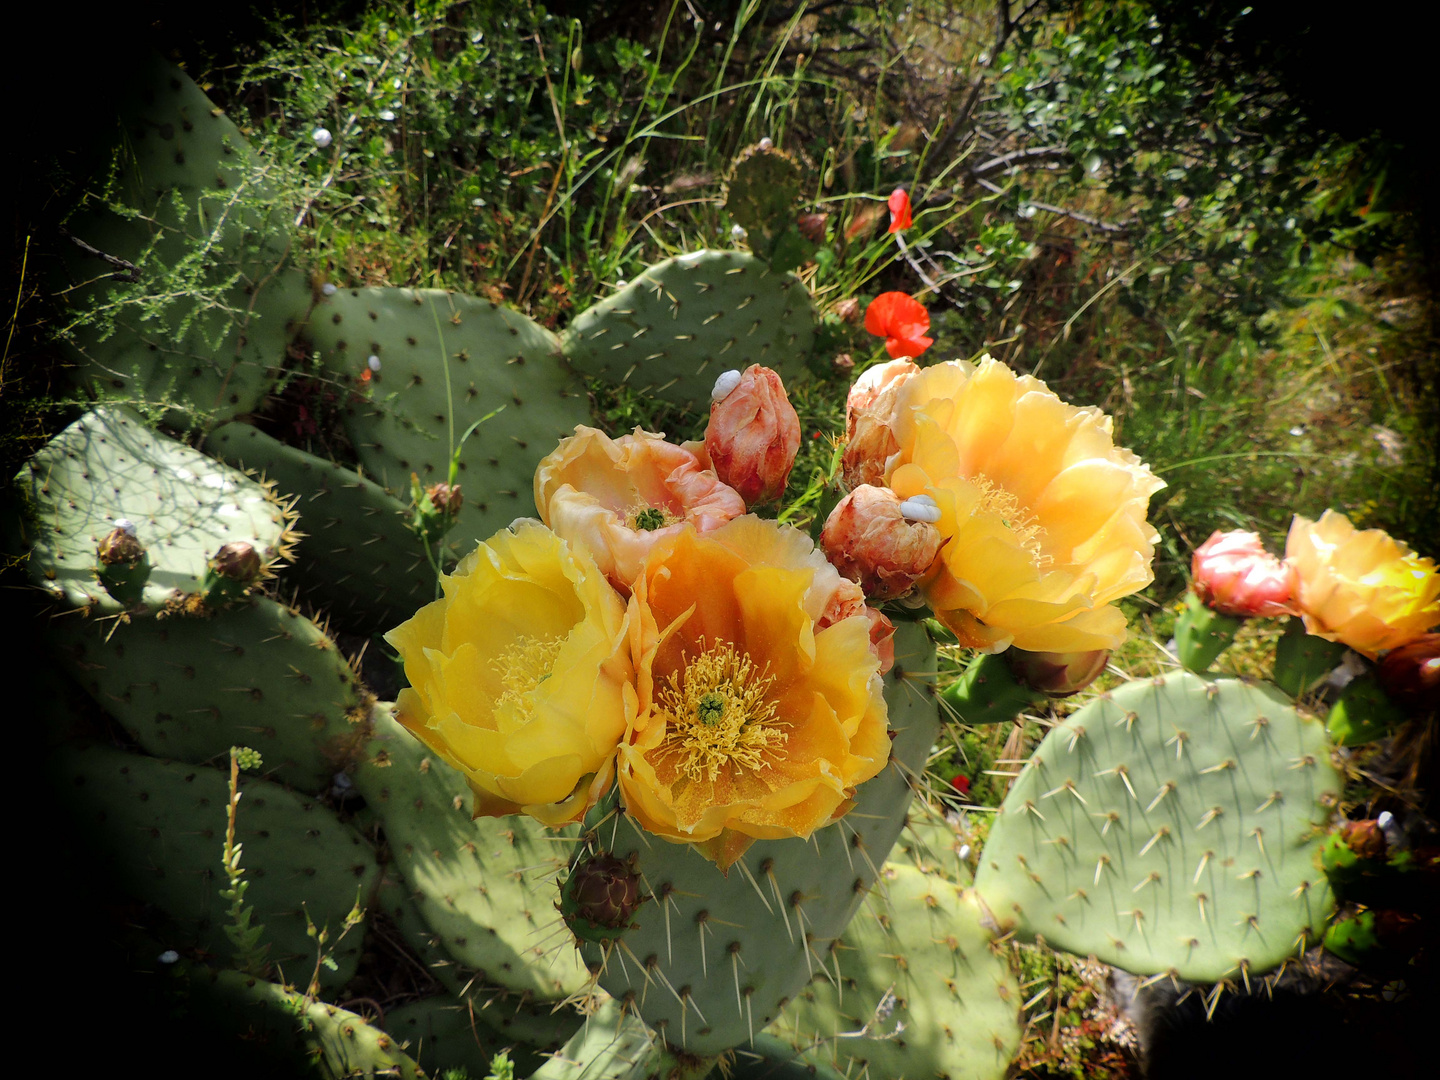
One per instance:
(848, 310)
(1057, 675)
(238, 561)
(120, 547)
(961, 784)
(869, 413)
(1410, 674)
(882, 638)
(870, 539)
(447, 498)
(753, 434)
(899, 204)
(1236, 576)
(600, 897)
(1365, 838)
(812, 227)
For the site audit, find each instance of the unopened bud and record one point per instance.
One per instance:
(753, 436)
(812, 227)
(120, 546)
(869, 539)
(1410, 674)
(1057, 675)
(447, 498)
(1236, 576)
(600, 897)
(123, 567)
(869, 414)
(238, 561)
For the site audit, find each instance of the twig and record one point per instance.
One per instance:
(132, 272)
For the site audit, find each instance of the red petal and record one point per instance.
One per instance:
(895, 314)
(899, 203)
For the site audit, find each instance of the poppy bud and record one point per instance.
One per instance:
(899, 203)
(1410, 674)
(447, 498)
(844, 363)
(1057, 675)
(870, 540)
(753, 435)
(869, 411)
(433, 510)
(1236, 576)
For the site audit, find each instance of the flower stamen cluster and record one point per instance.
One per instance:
(718, 713)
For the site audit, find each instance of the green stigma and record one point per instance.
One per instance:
(711, 708)
(650, 518)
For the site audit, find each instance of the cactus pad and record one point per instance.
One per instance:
(682, 322)
(1172, 825)
(713, 957)
(445, 361)
(108, 465)
(257, 674)
(920, 992)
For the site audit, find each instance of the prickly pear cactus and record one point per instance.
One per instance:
(1172, 825)
(712, 958)
(682, 322)
(913, 989)
(206, 240)
(184, 506)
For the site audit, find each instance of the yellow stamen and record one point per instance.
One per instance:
(522, 667)
(1022, 522)
(718, 713)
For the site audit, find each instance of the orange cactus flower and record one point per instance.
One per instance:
(754, 720)
(899, 203)
(902, 321)
(617, 498)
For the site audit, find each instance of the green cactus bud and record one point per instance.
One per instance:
(231, 572)
(988, 693)
(123, 565)
(1202, 634)
(1057, 675)
(600, 897)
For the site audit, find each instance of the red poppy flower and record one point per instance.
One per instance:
(902, 321)
(899, 203)
(961, 784)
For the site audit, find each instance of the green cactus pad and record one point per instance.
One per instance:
(256, 674)
(613, 1044)
(160, 827)
(486, 888)
(357, 559)
(762, 195)
(931, 844)
(446, 361)
(714, 957)
(682, 322)
(197, 202)
(1172, 825)
(299, 1036)
(920, 992)
(109, 465)
(441, 1033)
(1302, 659)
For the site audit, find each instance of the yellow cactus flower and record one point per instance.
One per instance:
(757, 717)
(520, 676)
(1363, 588)
(617, 498)
(1043, 515)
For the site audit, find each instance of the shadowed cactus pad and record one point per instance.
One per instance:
(912, 991)
(682, 322)
(184, 507)
(1172, 825)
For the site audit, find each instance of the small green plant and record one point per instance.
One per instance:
(250, 954)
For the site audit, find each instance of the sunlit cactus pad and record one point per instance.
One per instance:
(914, 989)
(1172, 825)
(184, 506)
(682, 322)
(255, 674)
(485, 887)
(161, 826)
(199, 213)
(713, 958)
(441, 362)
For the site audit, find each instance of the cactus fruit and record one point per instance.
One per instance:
(160, 827)
(988, 693)
(445, 362)
(1173, 824)
(285, 689)
(484, 888)
(913, 989)
(711, 958)
(684, 321)
(193, 193)
(183, 505)
(355, 558)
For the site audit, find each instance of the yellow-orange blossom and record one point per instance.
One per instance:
(1043, 514)
(752, 721)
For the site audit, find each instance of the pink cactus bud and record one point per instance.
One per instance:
(870, 540)
(1057, 675)
(1236, 576)
(753, 436)
(1410, 674)
(869, 413)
